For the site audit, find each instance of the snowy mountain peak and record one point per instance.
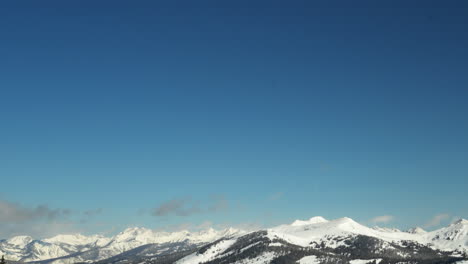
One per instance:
(317, 231)
(20, 241)
(416, 230)
(135, 230)
(77, 239)
(311, 221)
(460, 221)
(387, 229)
(135, 234)
(346, 222)
(231, 230)
(317, 219)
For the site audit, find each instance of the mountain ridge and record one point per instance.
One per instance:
(316, 233)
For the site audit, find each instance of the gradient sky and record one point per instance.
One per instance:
(163, 113)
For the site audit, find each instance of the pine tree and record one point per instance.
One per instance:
(2, 261)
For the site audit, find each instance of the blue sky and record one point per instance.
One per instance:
(231, 113)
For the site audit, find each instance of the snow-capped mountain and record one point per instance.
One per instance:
(313, 220)
(79, 248)
(343, 240)
(78, 239)
(454, 236)
(316, 240)
(416, 230)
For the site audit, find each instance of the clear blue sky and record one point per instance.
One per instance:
(239, 112)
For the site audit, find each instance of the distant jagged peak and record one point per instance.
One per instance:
(311, 221)
(76, 239)
(70, 236)
(209, 230)
(231, 230)
(460, 221)
(458, 227)
(20, 241)
(387, 229)
(135, 233)
(416, 230)
(135, 230)
(145, 236)
(315, 230)
(235, 231)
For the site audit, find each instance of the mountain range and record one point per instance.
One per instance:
(313, 241)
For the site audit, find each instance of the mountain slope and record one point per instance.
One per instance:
(78, 248)
(454, 236)
(315, 240)
(337, 241)
(260, 247)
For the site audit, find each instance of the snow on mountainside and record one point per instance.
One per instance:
(324, 231)
(313, 220)
(343, 240)
(73, 248)
(78, 239)
(416, 230)
(334, 241)
(19, 241)
(454, 236)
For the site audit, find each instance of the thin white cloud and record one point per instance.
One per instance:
(437, 220)
(93, 212)
(220, 203)
(187, 206)
(382, 219)
(276, 196)
(179, 207)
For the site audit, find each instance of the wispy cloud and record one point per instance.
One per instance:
(40, 221)
(93, 212)
(179, 207)
(90, 214)
(219, 203)
(37, 221)
(276, 196)
(16, 213)
(188, 206)
(437, 220)
(382, 219)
